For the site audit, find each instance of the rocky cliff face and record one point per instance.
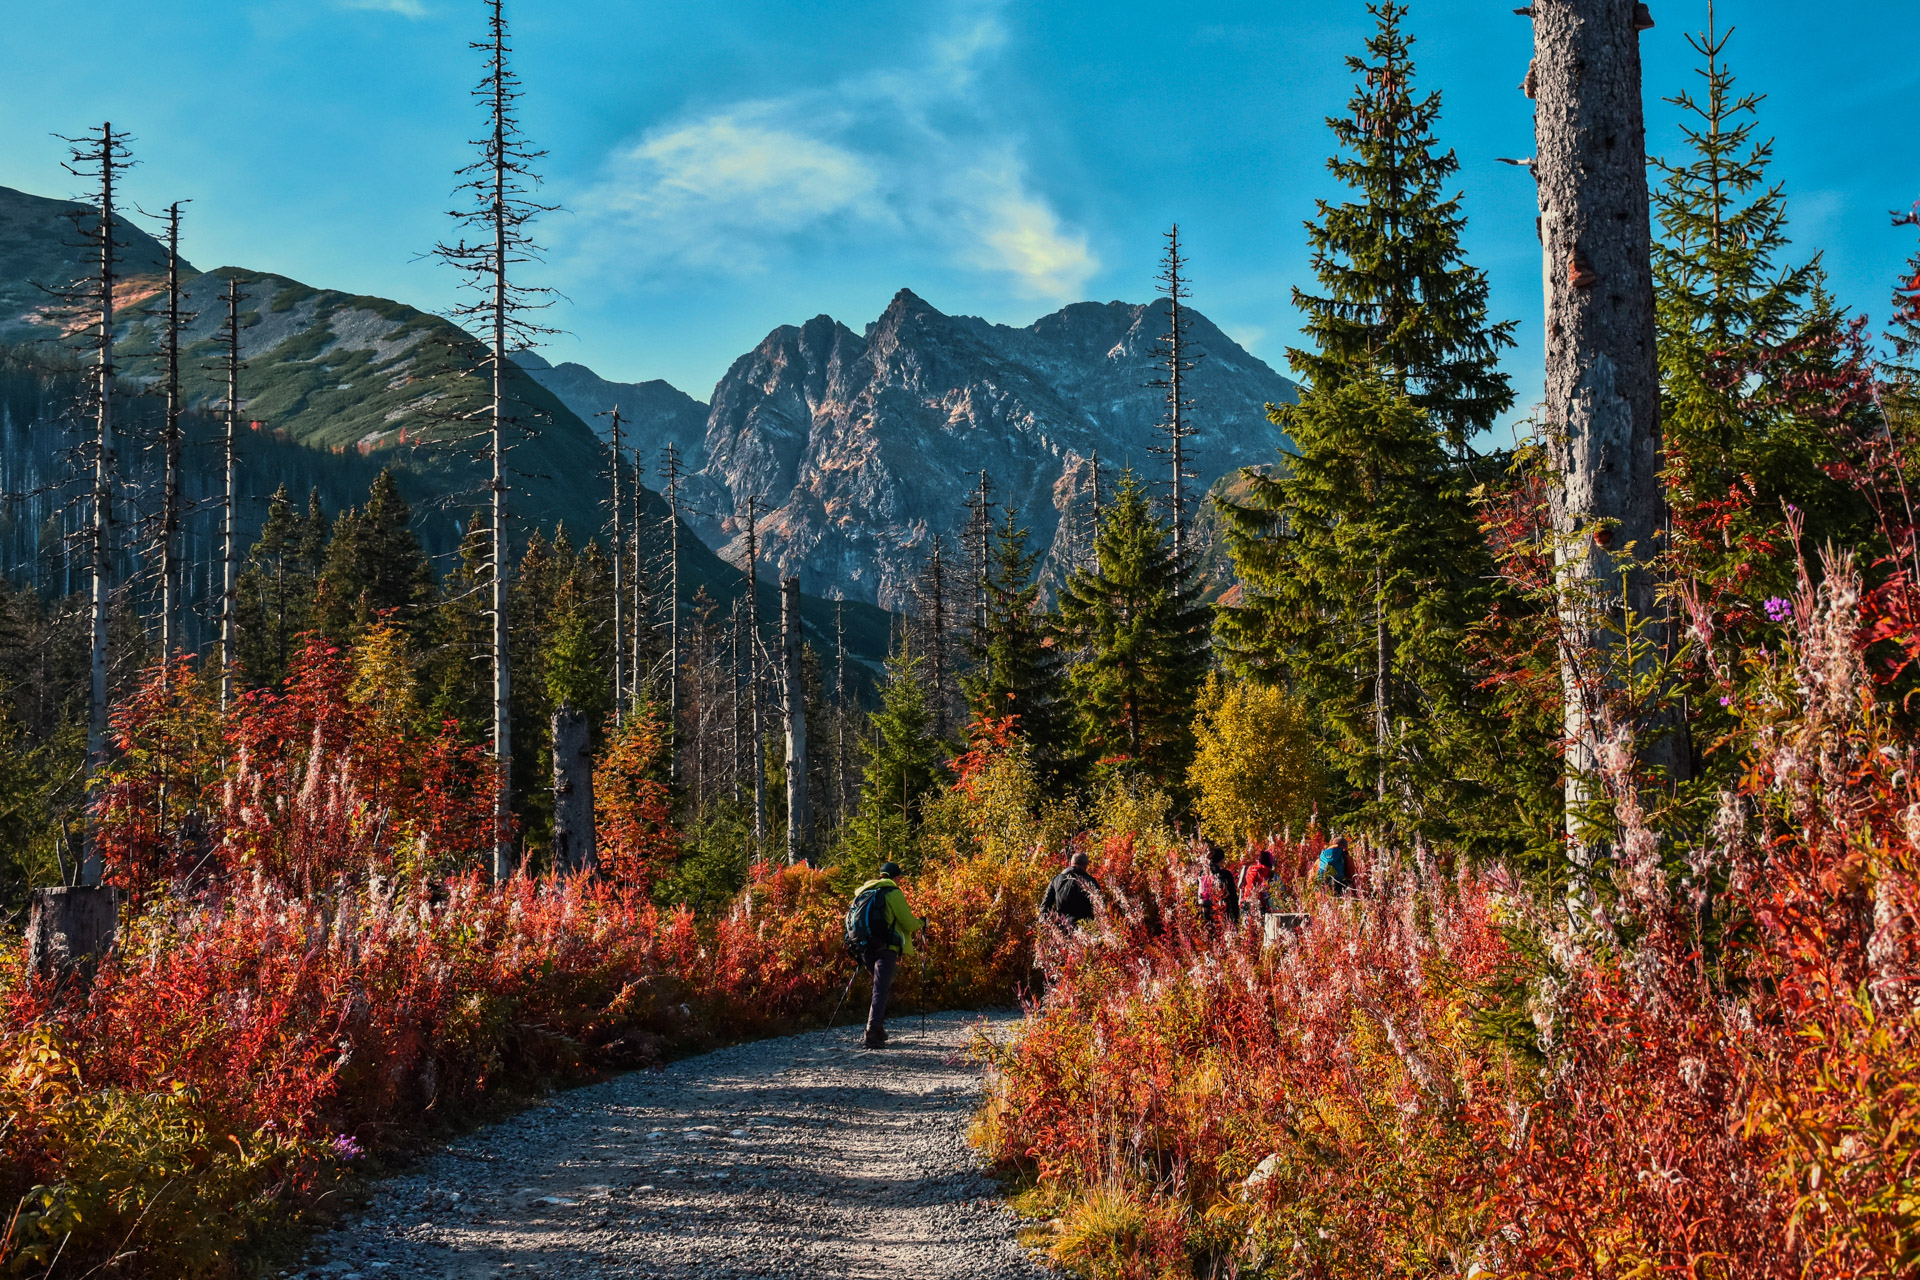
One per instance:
(862, 448)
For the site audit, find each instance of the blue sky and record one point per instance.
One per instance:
(729, 166)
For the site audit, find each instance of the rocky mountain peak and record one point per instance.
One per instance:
(863, 449)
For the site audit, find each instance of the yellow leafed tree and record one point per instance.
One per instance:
(1254, 770)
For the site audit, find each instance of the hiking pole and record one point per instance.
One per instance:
(843, 998)
(923, 979)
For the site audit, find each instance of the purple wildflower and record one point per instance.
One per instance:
(346, 1148)
(1726, 702)
(1778, 610)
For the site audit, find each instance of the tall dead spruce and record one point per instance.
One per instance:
(794, 699)
(99, 155)
(672, 473)
(620, 691)
(754, 668)
(1170, 352)
(496, 194)
(170, 441)
(1602, 376)
(229, 561)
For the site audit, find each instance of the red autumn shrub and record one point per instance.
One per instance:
(1705, 1063)
(633, 806)
(335, 775)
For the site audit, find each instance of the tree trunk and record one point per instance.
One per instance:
(1381, 716)
(1602, 374)
(69, 929)
(799, 812)
(91, 867)
(229, 509)
(170, 485)
(753, 683)
(573, 836)
(620, 692)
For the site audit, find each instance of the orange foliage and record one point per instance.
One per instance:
(633, 807)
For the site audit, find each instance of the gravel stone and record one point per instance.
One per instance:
(801, 1157)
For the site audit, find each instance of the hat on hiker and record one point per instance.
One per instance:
(888, 870)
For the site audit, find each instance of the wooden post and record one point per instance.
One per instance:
(573, 835)
(1602, 374)
(799, 812)
(70, 928)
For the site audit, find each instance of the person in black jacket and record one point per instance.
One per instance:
(1071, 895)
(1219, 900)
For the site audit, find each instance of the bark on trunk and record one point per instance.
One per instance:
(1602, 374)
(573, 837)
(799, 812)
(70, 929)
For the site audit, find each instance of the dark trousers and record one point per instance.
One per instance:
(882, 987)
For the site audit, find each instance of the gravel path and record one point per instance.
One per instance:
(806, 1156)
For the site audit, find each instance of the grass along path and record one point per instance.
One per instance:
(803, 1156)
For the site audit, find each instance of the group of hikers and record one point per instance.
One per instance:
(881, 925)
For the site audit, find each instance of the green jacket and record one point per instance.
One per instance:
(899, 914)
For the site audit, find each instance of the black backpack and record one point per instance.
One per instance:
(868, 932)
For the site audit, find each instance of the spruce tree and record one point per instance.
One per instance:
(1359, 555)
(1016, 662)
(375, 567)
(1399, 300)
(905, 763)
(1359, 564)
(458, 679)
(275, 594)
(1739, 333)
(1139, 628)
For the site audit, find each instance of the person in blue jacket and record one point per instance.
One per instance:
(1336, 870)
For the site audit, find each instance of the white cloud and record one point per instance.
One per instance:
(909, 152)
(405, 8)
(1014, 231)
(709, 189)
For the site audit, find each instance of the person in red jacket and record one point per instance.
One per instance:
(1255, 879)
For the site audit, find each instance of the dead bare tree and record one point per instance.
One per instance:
(229, 563)
(1176, 424)
(671, 472)
(733, 702)
(1093, 532)
(754, 668)
(100, 155)
(496, 194)
(840, 713)
(936, 643)
(620, 691)
(979, 545)
(799, 811)
(170, 441)
(1602, 377)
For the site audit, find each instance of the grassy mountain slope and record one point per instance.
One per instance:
(370, 380)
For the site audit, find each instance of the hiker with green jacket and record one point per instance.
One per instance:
(885, 925)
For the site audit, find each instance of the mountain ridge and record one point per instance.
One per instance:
(378, 379)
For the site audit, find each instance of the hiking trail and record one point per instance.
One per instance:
(798, 1157)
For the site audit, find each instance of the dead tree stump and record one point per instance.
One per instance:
(70, 928)
(573, 842)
